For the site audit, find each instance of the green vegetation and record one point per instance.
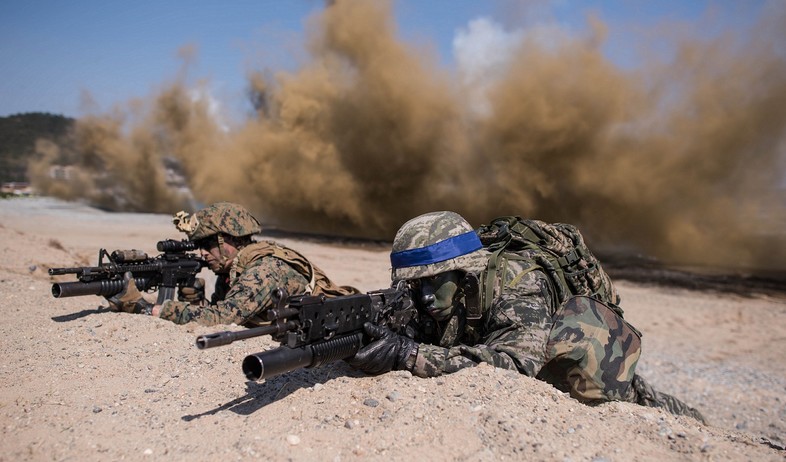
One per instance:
(18, 136)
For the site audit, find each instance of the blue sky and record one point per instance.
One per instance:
(51, 52)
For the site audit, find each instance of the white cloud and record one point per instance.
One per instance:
(484, 50)
(202, 94)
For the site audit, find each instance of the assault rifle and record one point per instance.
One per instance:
(173, 267)
(314, 330)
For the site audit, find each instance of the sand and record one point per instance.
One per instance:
(78, 382)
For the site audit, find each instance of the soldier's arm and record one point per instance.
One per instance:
(517, 332)
(249, 296)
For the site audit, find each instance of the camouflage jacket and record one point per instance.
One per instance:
(581, 347)
(512, 334)
(246, 292)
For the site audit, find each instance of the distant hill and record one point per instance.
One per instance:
(18, 134)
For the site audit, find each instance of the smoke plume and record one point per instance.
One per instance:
(681, 159)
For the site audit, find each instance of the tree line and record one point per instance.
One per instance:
(18, 136)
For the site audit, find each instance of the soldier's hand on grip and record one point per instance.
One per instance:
(195, 294)
(388, 351)
(128, 300)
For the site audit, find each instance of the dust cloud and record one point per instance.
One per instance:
(681, 159)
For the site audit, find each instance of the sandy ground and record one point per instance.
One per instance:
(80, 383)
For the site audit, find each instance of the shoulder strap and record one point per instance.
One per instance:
(539, 262)
(319, 282)
(291, 257)
(490, 278)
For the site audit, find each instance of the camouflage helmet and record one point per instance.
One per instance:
(434, 243)
(221, 217)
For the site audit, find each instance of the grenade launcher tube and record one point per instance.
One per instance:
(105, 288)
(284, 359)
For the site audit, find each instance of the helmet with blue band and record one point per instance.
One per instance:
(434, 243)
(440, 251)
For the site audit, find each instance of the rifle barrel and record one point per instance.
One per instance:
(75, 270)
(227, 337)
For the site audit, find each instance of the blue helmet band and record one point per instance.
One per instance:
(443, 250)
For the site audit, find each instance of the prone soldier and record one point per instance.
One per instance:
(248, 272)
(513, 310)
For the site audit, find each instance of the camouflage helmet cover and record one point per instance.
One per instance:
(221, 217)
(435, 243)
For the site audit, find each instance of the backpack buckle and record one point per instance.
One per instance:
(570, 258)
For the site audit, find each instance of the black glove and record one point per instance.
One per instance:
(389, 351)
(195, 294)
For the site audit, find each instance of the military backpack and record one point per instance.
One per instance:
(561, 254)
(589, 330)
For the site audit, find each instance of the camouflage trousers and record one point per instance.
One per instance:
(642, 393)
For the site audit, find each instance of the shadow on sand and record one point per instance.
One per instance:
(81, 314)
(260, 394)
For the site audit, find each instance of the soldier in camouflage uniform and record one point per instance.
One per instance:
(247, 272)
(581, 346)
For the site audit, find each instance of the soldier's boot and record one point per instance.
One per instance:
(642, 393)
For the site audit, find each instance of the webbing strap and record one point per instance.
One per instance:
(527, 233)
(312, 283)
(519, 276)
(490, 278)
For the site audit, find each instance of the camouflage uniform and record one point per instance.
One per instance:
(582, 346)
(258, 269)
(519, 321)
